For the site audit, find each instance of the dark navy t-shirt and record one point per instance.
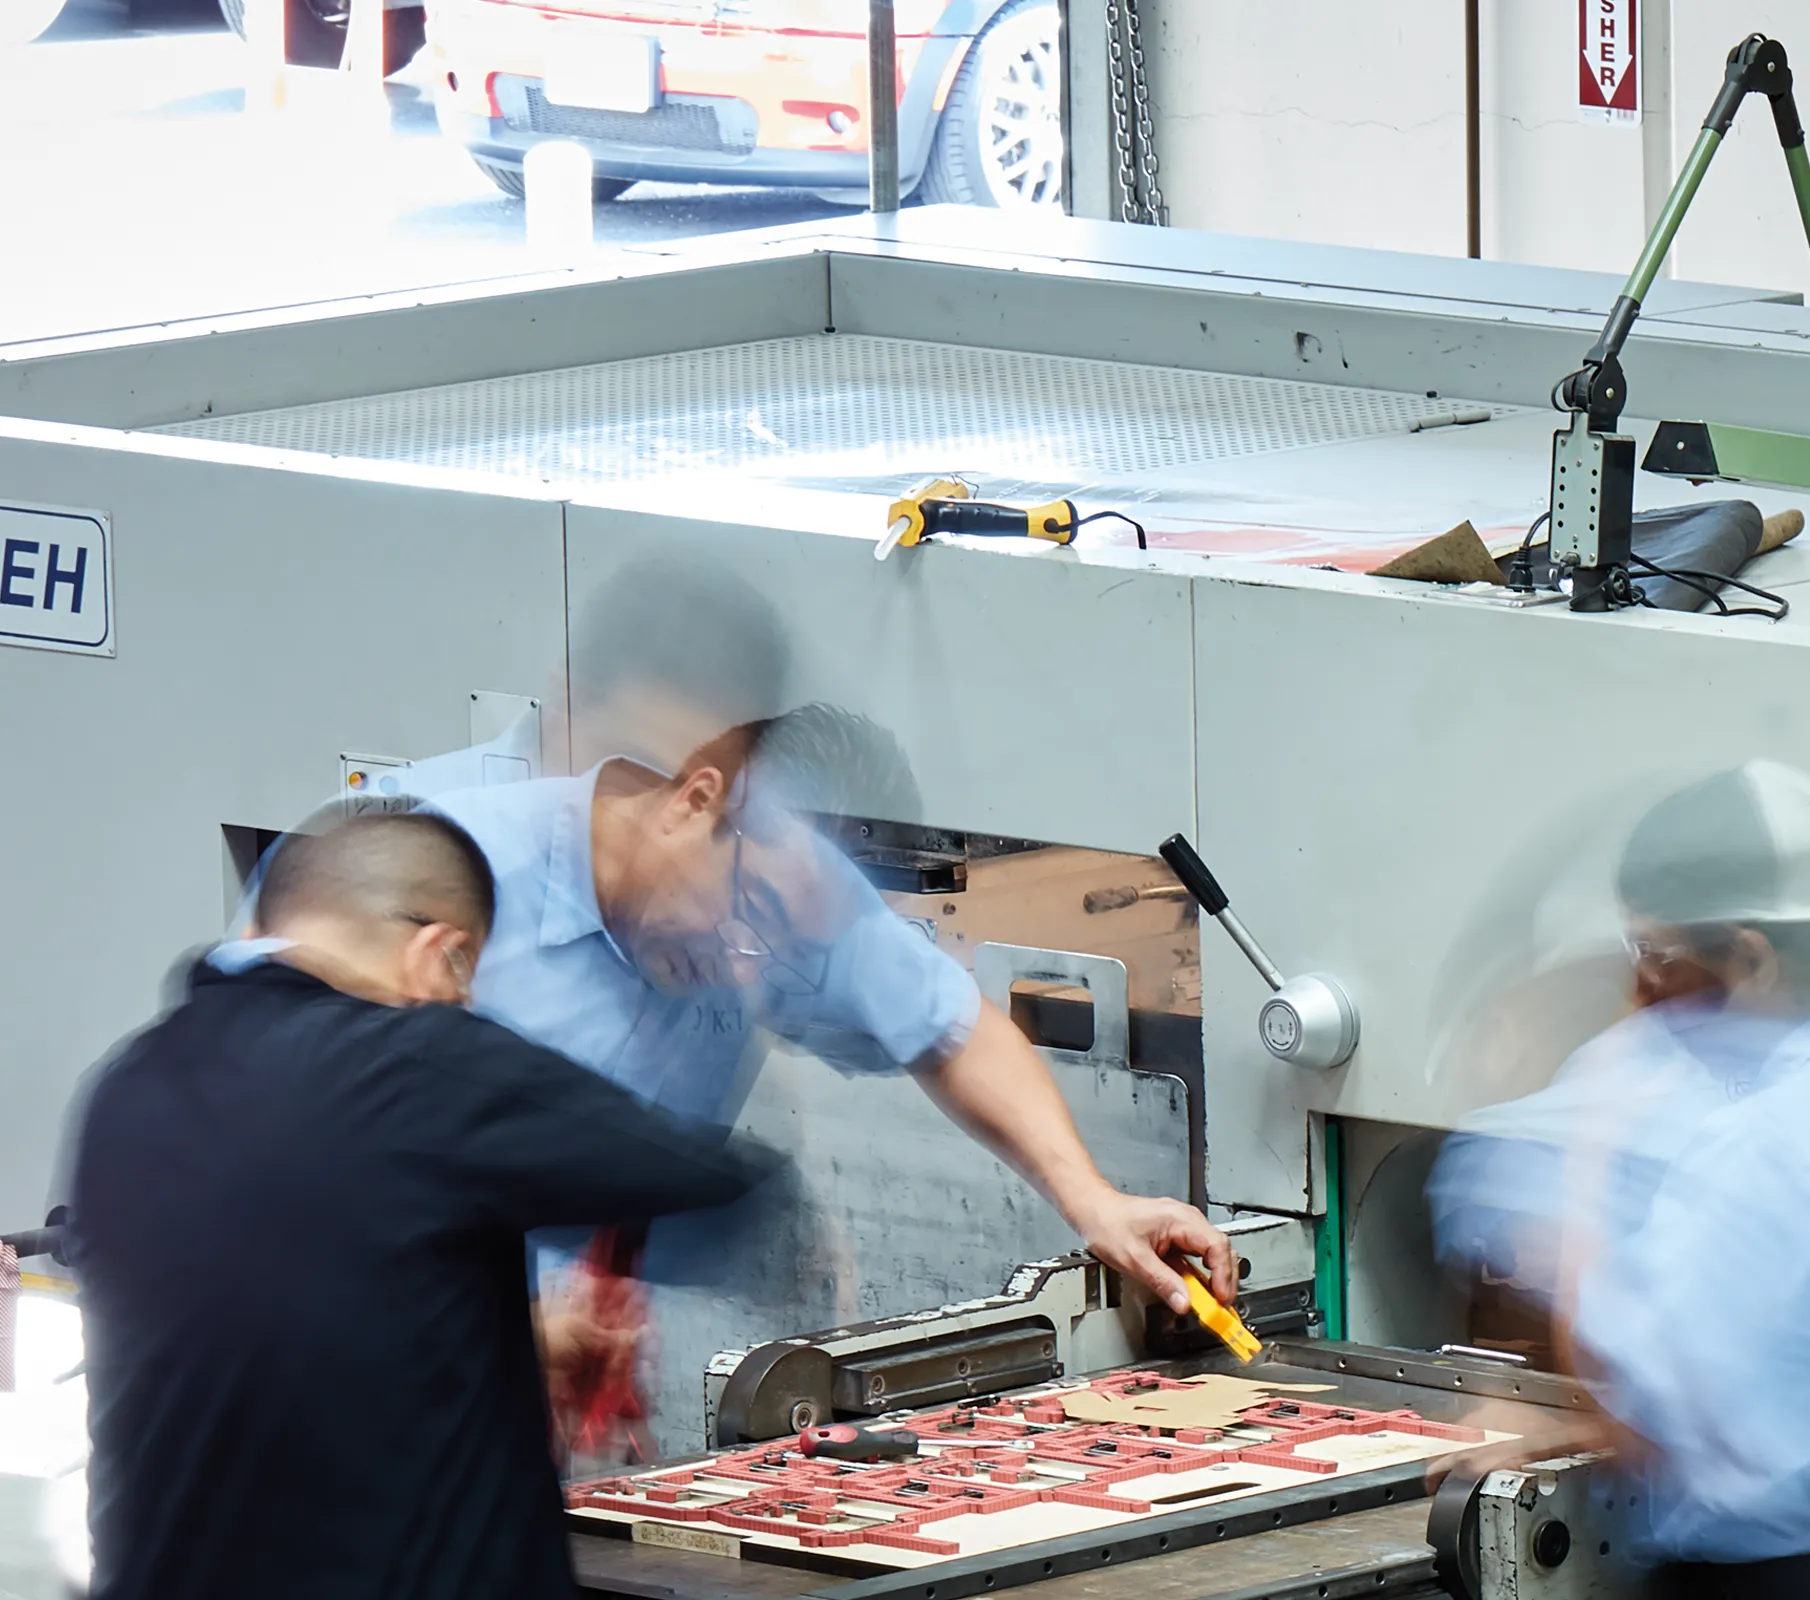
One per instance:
(296, 1218)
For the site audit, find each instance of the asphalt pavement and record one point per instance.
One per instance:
(137, 187)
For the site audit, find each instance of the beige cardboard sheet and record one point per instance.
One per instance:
(1003, 1530)
(1213, 1400)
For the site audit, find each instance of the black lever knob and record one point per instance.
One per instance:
(1184, 861)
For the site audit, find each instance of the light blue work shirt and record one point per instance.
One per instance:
(1619, 1112)
(1672, 1154)
(1697, 1327)
(551, 970)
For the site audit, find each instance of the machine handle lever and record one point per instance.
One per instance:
(46, 1241)
(1184, 861)
(1195, 877)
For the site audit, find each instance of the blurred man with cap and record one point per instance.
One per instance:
(1656, 1199)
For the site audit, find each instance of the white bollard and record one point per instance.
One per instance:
(266, 73)
(361, 65)
(557, 177)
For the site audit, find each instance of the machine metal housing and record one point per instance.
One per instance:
(334, 525)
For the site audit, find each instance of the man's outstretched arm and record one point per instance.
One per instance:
(997, 1087)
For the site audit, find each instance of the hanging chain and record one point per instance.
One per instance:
(1155, 210)
(1129, 206)
(1133, 127)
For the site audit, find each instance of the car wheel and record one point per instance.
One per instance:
(318, 32)
(21, 21)
(999, 141)
(509, 178)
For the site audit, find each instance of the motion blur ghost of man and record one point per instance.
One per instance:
(656, 909)
(1654, 1202)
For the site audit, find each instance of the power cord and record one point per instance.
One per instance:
(1625, 592)
(1776, 609)
(1098, 516)
(1520, 567)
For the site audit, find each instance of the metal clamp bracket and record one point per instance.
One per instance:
(998, 966)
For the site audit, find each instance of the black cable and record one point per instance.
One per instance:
(1096, 516)
(1520, 568)
(1688, 579)
(1776, 609)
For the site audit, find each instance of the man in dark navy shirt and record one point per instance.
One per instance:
(296, 1218)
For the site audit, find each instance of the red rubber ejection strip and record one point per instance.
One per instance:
(982, 1460)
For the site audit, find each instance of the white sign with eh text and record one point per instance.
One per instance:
(56, 579)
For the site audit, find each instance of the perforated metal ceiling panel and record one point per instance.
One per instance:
(834, 408)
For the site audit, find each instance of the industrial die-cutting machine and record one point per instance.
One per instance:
(283, 557)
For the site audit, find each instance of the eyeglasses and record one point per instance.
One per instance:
(1701, 952)
(455, 958)
(1645, 953)
(740, 937)
(461, 971)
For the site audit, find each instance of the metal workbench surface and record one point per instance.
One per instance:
(1384, 1551)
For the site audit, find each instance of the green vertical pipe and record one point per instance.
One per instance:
(1329, 1235)
(1799, 163)
(1646, 269)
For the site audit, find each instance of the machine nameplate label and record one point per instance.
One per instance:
(56, 579)
(699, 1541)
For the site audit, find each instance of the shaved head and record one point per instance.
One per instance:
(391, 867)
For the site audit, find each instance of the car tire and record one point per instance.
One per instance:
(319, 41)
(511, 180)
(999, 139)
(21, 21)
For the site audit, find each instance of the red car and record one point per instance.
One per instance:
(756, 92)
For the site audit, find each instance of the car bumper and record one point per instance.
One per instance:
(737, 106)
(706, 158)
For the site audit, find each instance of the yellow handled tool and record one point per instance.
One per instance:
(946, 505)
(906, 522)
(1218, 1318)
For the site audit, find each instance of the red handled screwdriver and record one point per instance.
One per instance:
(845, 1441)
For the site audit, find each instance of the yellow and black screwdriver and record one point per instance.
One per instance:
(946, 505)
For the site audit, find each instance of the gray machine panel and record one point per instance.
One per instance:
(266, 622)
(1291, 263)
(900, 1213)
(1455, 888)
(1476, 350)
(400, 341)
(1042, 699)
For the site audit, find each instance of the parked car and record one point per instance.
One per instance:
(21, 21)
(764, 92)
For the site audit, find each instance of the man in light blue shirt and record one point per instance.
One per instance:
(1654, 1202)
(673, 901)
(664, 1005)
(645, 924)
